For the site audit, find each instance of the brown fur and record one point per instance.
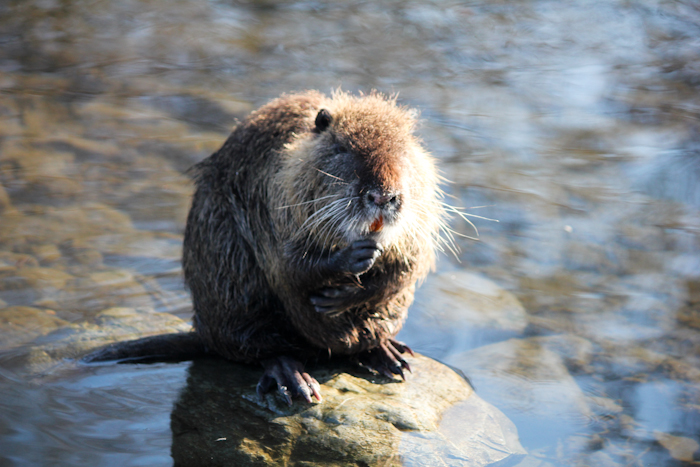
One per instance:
(280, 198)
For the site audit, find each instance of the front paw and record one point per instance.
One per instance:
(334, 300)
(358, 257)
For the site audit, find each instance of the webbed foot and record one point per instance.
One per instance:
(387, 359)
(288, 375)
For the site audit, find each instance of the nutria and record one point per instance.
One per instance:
(308, 232)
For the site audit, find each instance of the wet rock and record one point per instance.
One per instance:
(5, 203)
(83, 224)
(73, 341)
(11, 220)
(21, 324)
(30, 285)
(87, 257)
(44, 280)
(466, 298)
(46, 253)
(38, 286)
(101, 290)
(457, 310)
(135, 244)
(168, 192)
(434, 418)
(530, 380)
(680, 447)
(10, 121)
(11, 261)
(42, 173)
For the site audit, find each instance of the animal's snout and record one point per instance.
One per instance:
(383, 199)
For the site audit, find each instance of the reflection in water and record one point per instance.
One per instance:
(572, 123)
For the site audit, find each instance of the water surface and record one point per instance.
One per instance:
(574, 124)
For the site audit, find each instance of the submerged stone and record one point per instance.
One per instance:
(20, 324)
(531, 380)
(680, 448)
(534, 368)
(459, 297)
(73, 341)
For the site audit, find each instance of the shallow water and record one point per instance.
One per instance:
(574, 124)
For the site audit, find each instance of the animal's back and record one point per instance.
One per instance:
(237, 314)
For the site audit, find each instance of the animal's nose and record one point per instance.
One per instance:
(382, 198)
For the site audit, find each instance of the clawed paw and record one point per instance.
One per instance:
(386, 359)
(288, 375)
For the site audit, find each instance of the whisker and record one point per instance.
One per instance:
(316, 216)
(462, 214)
(332, 176)
(307, 202)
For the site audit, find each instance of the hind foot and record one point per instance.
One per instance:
(288, 375)
(386, 359)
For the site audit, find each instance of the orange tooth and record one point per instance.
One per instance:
(377, 225)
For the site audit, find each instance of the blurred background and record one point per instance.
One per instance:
(573, 124)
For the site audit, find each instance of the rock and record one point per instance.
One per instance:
(457, 311)
(82, 225)
(46, 253)
(529, 380)
(21, 324)
(42, 173)
(11, 261)
(87, 257)
(100, 290)
(41, 279)
(5, 203)
(34, 285)
(12, 219)
(680, 447)
(434, 418)
(73, 341)
(466, 298)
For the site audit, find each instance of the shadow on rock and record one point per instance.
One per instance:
(433, 419)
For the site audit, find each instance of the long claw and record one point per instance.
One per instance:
(314, 386)
(401, 347)
(386, 359)
(286, 394)
(288, 375)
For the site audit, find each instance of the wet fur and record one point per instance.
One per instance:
(279, 198)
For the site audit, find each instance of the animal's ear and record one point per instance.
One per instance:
(323, 119)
